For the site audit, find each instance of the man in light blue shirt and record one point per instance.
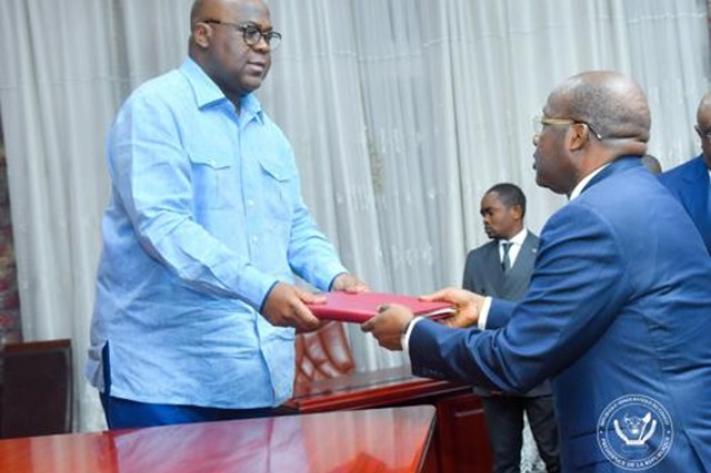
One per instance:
(204, 230)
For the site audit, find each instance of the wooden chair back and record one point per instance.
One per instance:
(37, 388)
(323, 354)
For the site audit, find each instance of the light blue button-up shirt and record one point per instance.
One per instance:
(205, 216)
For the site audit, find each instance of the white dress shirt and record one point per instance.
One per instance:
(516, 244)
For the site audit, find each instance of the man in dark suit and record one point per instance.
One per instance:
(502, 268)
(691, 182)
(618, 311)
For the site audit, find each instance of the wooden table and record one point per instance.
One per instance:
(390, 440)
(460, 442)
(383, 387)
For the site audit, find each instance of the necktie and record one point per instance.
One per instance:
(505, 261)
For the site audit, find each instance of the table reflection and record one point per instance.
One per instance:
(385, 440)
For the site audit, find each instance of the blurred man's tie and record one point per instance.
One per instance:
(506, 261)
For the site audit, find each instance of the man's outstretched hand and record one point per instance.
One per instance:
(348, 283)
(286, 307)
(389, 325)
(467, 304)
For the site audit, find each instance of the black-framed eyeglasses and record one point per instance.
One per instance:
(541, 121)
(704, 134)
(251, 34)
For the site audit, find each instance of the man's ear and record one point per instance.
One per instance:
(698, 131)
(202, 35)
(517, 212)
(577, 136)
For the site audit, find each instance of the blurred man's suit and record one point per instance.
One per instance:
(689, 183)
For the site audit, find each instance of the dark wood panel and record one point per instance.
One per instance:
(461, 435)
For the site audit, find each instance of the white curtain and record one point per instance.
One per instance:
(401, 112)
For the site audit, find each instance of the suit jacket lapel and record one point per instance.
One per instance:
(524, 261)
(527, 256)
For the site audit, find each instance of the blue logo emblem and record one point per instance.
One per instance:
(635, 432)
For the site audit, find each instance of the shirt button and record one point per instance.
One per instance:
(255, 239)
(213, 163)
(250, 202)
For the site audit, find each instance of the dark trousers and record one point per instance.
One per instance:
(504, 423)
(125, 414)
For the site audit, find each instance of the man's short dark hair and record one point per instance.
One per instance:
(510, 195)
(196, 11)
(595, 103)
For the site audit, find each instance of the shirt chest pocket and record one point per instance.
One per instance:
(278, 182)
(213, 180)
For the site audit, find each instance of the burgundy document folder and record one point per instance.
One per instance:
(358, 308)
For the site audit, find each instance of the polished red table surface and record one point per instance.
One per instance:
(382, 440)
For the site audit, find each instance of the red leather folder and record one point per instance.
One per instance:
(358, 308)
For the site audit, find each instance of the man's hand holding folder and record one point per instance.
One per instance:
(288, 306)
(392, 322)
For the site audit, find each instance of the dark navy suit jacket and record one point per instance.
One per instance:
(619, 303)
(690, 184)
(483, 274)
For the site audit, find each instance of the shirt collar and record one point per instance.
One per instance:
(584, 182)
(250, 104)
(517, 239)
(207, 92)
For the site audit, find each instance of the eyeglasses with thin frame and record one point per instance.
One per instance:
(251, 34)
(540, 122)
(706, 134)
